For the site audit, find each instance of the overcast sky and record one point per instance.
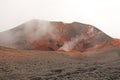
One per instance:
(104, 14)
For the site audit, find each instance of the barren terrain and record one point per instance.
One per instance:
(50, 50)
(54, 65)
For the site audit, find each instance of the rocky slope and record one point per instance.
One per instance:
(53, 65)
(52, 36)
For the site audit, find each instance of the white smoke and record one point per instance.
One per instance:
(8, 38)
(91, 29)
(38, 29)
(69, 45)
(31, 30)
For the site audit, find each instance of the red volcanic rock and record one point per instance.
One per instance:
(109, 43)
(106, 45)
(115, 42)
(52, 36)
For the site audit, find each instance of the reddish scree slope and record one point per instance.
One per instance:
(50, 36)
(113, 43)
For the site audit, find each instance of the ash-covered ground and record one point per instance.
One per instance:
(52, 65)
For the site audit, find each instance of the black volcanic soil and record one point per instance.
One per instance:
(54, 65)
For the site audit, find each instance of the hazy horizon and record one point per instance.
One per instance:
(104, 14)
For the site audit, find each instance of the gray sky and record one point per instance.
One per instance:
(104, 14)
